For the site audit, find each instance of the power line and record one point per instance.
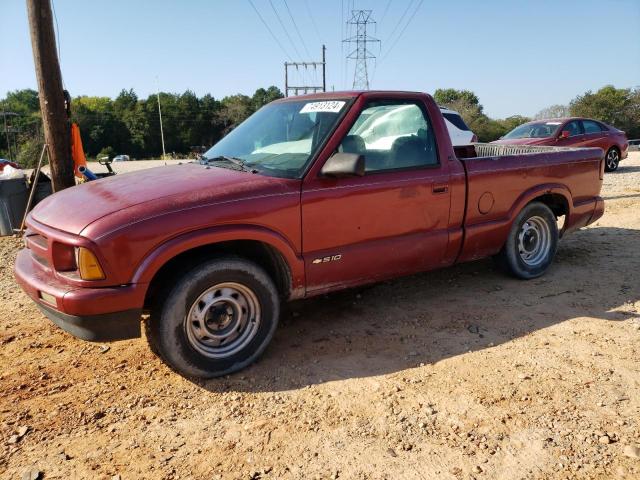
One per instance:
(270, 31)
(313, 21)
(304, 45)
(384, 15)
(295, 25)
(286, 32)
(55, 18)
(403, 29)
(343, 75)
(395, 29)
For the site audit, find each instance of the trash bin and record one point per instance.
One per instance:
(13, 201)
(43, 189)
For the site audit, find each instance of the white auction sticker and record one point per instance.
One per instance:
(333, 106)
(553, 123)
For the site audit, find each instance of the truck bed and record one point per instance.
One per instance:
(500, 178)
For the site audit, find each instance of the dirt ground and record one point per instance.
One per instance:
(462, 373)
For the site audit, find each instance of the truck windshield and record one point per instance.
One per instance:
(534, 130)
(281, 138)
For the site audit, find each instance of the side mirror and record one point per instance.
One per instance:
(344, 165)
(565, 134)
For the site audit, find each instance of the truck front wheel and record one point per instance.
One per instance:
(217, 319)
(532, 242)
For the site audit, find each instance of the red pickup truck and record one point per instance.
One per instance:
(309, 195)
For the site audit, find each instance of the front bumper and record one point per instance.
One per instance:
(93, 314)
(106, 327)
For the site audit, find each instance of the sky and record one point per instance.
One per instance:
(518, 56)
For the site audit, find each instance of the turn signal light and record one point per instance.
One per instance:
(88, 265)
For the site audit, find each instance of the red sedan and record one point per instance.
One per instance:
(572, 132)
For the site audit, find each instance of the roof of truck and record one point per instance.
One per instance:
(344, 94)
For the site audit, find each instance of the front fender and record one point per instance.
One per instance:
(158, 257)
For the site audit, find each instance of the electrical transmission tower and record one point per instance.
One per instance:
(361, 19)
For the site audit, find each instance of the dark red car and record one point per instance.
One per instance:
(572, 132)
(309, 195)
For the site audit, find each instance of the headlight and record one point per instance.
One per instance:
(88, 265)
(64, 257)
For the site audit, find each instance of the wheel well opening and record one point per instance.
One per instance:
(258, 252)
(556, 202)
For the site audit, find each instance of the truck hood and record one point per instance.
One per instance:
(73, 209)
(526, 141)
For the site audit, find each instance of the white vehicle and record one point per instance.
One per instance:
(121, 158)
(458, 131)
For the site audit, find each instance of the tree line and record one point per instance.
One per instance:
(131, 125)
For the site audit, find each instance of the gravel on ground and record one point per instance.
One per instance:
(462, 373)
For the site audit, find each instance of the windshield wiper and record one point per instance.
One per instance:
(239, 163)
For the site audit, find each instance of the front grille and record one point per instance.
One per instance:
(39, 247)
(39, 240)
(41, 260)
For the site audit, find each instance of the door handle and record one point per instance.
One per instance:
(440, 188)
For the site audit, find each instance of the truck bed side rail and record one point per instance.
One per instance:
(479, 150)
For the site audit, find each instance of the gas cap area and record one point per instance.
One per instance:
(485, 203)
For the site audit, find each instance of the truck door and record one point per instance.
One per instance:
(391, 221)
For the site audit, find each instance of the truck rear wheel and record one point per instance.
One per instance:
(217, 319)
(532, 242)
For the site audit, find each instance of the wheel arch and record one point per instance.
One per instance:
(265, 248)
(557, 197)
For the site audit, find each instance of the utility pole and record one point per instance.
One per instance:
(303, 87)
(361, 19)
(57, 132)
(160, 115)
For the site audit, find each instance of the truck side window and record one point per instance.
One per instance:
(391, 136)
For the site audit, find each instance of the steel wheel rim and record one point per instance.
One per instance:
(534, 241)
(612, 159)
(223, 320)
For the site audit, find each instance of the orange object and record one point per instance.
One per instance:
(77, 152)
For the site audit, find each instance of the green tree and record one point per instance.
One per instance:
(554, 111)
(23, 116)
(29, 151)
(619, 107)
(235, 109)
(261, 97)
(448, 96)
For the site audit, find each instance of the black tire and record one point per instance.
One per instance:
(206, 292)
(519, 255)
(611, 160)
